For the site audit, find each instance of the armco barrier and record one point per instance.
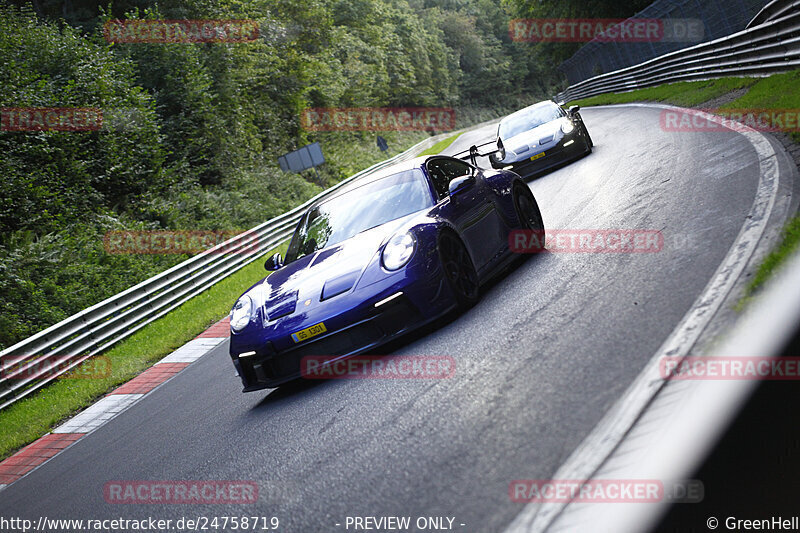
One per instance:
(764, 48)
(43, 357)
(773, 10)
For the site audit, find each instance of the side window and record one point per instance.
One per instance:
(442, 171)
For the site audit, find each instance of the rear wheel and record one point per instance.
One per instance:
(528, 213)
(459, 271)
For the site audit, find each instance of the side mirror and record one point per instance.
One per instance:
(461, 183)
(500, 154)
(274, 262)
(496, 158)
(573, 110)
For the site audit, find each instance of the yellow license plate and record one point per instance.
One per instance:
(307, 333)
(537, 156)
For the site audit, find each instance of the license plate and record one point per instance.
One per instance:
(537, 156)
(313, 331)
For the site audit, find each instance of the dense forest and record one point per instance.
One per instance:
(191, 132)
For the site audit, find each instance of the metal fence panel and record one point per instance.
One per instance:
(760, 50)
(719, 17)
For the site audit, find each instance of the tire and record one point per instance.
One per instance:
(459, 272)
(589, 141)
(528, 213)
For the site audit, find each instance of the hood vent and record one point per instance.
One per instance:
(336, 286)
(282, 306)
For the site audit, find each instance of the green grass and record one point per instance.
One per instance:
(441, 145)
(25, 421)
(778, 91)
(684, 93)
(790, 242)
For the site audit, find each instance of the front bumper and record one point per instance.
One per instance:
(567, 149)
(267, 368)
(357, 321)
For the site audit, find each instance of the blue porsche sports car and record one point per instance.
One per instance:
(387, 254)
(540, 137)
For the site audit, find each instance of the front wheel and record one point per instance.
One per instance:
(459, 271)
(589, 141)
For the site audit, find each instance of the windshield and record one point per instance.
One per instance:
(360, 209)
(528, 120)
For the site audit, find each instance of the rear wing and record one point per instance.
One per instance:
(473, 154)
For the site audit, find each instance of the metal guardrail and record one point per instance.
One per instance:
(717, 19)
(773, 10)
(763, 49)
(45, 356)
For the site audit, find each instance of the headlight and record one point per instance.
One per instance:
(399, 250)
(566, 125)
(510, 155)
(241, 313)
